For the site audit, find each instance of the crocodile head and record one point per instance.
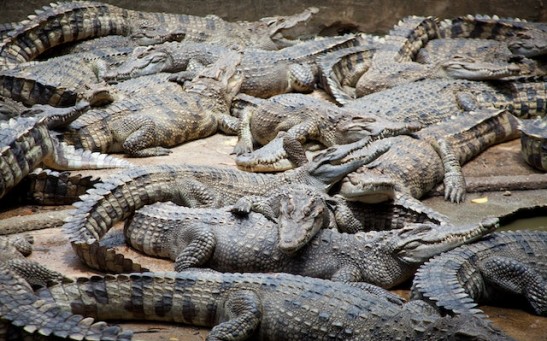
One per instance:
(468, 68)
(143, 61)
(416, 243)
(353, 127)
(302, 213)
(368, 187)
(531, 43)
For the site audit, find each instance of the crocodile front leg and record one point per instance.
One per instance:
(244, 312)
(454, 181)
(517, 278)
(301, 78)
(200, 244)
(348, 273)
(245, 137)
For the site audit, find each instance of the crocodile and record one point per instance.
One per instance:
(25, 143)
(521, 37)
(501, 265)
(429, 101)
(396, 60)
(145, 121)
(66, 22)
(533, 140)
(265, 73)
(262, 307)
(306, 118)
(62, 81)
(115, 198)
(413, 166)
(215, 239)
(23, 315)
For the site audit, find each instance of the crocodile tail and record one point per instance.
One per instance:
(24, 313)
(480, 27)
(416, 32)
(530, 97)
(110, 201)
(343, 68)
(67, 157)
(60, 23)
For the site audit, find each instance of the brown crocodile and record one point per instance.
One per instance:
(150, 118)
(534, 142)
(115, 198)
(25, 143)
(265, 73)
(413, 166)
(263, 307)
(305, 118)
(216, 239)
(66, 22)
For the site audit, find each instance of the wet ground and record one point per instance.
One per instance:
(53, 250)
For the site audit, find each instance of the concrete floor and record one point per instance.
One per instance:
(53, 250)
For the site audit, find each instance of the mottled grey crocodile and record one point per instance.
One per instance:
(23, 315)
(25, 143)
(413, 166)
(265, 73)
(150, 118)
(216, 239)
(66, 22)
(502, 265)
(534, 142)
(263, 307)
(303, 118)
(63, 80)
(430, 101)
(522, 38)
(115, 198)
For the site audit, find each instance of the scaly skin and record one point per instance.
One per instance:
(306, 118)
(265, 73)
(415, 166)
(534, 142)
(117, 197)
(23, 315)
(144, 123)
(503, 264)
(66, 22)
(25, 143)
(302, 119)
(204, 238)
(62, 81)
(522, 38)
(263, 307)
(431, 101)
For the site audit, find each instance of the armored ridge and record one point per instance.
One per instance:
(225, 243)
(26, 142)
(513, 263)
(26, 316)
(261, 307)
(118, 196)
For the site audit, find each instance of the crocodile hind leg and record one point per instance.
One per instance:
(517, 278)
(244, 312)
(200, 244)
(301, 78)
(137, 134)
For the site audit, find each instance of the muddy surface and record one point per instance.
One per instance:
(53, 250)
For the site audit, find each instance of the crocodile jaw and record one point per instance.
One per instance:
(419, 242)
(479, 71)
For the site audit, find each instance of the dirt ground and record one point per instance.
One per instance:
(53, 249)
